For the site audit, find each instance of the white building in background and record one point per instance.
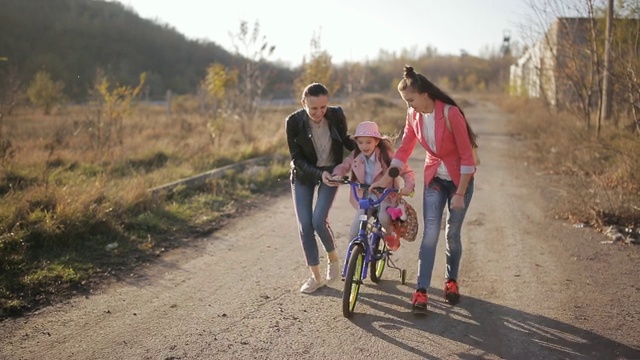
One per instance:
(523, 77)
(552, 67)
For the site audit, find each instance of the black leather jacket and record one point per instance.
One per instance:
(303, 154)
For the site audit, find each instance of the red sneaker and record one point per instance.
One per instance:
(451, 292)
(419, 300)
(392, 240)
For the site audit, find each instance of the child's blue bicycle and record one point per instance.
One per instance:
(367, 251)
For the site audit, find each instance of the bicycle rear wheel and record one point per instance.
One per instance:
(353, 280)
(379, 260)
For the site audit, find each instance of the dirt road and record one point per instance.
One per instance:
(532, 287)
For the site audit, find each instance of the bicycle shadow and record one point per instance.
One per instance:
(491, 328)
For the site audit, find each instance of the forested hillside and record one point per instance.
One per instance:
(71, 39)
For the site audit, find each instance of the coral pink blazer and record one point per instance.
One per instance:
(452, 147)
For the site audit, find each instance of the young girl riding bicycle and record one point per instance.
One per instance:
(368, 163)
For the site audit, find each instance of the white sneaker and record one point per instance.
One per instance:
(311, 285)
(333, 271)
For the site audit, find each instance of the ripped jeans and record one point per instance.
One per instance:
(437, 195)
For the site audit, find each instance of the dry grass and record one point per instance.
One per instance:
(67, 200)
(74, 209)
(599, 175)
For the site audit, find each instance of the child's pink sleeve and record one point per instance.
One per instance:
(342, 169)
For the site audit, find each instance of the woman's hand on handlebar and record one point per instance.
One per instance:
(338, 179)
(328, 179)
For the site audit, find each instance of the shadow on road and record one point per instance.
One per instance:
(493, 329)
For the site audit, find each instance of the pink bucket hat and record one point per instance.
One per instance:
(367, 128)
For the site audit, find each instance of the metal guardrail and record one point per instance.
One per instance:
(201, 179)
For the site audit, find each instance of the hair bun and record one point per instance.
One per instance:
(408, 72)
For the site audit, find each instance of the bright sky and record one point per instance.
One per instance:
(349, 30)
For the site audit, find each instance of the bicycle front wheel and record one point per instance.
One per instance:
(379, 260)
(353, 280)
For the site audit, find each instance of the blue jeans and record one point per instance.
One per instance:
(437, 194)
(313, 220)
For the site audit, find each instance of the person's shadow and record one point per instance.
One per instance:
(493, 329)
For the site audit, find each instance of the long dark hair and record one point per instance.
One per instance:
(420, 84)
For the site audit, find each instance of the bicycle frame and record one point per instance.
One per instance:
(375, 235)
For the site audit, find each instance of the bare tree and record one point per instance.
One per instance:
(606, 91)
(253, 74)
(356, 78)
(580, 39)
(625, 73)
(11, 86)
(625, 70)
(318, 68)
(570, 66)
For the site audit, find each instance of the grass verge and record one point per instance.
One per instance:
(598, 176)
(52, 253)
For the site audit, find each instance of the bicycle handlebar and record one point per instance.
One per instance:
(393, 172)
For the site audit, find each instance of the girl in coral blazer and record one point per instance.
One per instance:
(448, 175)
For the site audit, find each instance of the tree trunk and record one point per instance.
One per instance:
(606, 91)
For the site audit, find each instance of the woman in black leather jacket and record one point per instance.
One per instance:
(316, 136)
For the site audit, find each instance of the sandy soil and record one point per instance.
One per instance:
(532, 286)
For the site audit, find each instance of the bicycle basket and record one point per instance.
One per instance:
(407, 229)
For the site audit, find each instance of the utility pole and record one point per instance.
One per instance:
(505, 61)
(606, 80)
(506, 43)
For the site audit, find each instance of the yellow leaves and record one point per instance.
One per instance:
(119, 100)
(141, 82)
(44, 92)
(318, 69)
(218, 80)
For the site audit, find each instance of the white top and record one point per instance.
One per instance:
(429, 123)
(321, 137)
(369, 167)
